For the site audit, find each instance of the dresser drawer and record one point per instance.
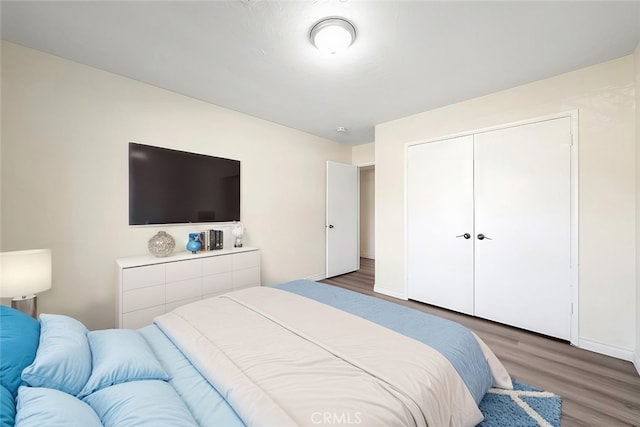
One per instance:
(216, 264)
(246, 260)
(137, 299)
(140, 277)
(217, 283)
(246, 277)
(141, 318)
(185, 289)
(184, 270)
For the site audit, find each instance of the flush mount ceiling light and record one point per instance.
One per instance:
(333, 35)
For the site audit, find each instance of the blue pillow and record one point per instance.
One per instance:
(39, 407)
(63, 360)
(7, 408)
(19, 335)
(119, 356)
(140, 404)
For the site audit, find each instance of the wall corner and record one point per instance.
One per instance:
(363, 155)
(636, 55)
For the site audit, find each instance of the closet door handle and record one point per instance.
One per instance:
(465, 235)
(482, 237)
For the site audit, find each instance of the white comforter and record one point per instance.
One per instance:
(283, 360)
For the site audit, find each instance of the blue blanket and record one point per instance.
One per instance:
(451, 339)
(207, 406)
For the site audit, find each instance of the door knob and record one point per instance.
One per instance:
(465, 235)
(482, 237)
(330, 226)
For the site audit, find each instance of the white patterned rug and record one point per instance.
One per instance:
(524, 406)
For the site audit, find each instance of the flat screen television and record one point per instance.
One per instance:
(172, 187)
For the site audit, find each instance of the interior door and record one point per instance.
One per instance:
(523, 207)
(342, 219)
(440, 223)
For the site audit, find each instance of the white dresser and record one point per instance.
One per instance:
(149, 286)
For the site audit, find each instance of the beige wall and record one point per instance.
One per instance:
(367, 212)
(65, 133)
(363, 155)
(604, 96)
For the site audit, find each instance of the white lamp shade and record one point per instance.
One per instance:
(25, 273)
(333, 35)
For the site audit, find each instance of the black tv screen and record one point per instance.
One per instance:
(171, 187)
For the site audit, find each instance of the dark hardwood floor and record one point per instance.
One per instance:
(596, 390)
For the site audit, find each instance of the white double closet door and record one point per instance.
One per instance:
(489, 225)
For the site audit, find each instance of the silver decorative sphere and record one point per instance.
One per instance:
(162, 244)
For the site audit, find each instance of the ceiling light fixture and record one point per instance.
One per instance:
(333, 35)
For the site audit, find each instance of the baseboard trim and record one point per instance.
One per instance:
(636, 360)
(389, 292)
(316, 278)
(608, 350)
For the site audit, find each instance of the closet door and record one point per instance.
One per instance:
(439, 214)
(522, 206)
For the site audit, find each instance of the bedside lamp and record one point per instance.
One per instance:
(22, 275)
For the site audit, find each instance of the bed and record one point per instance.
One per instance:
(300, 353)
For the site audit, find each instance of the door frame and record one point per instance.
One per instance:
(573, 115)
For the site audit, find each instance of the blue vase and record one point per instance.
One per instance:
(194, 244)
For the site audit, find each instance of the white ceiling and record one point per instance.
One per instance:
(255, 56)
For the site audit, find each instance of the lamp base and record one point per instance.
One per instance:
(27, 304)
